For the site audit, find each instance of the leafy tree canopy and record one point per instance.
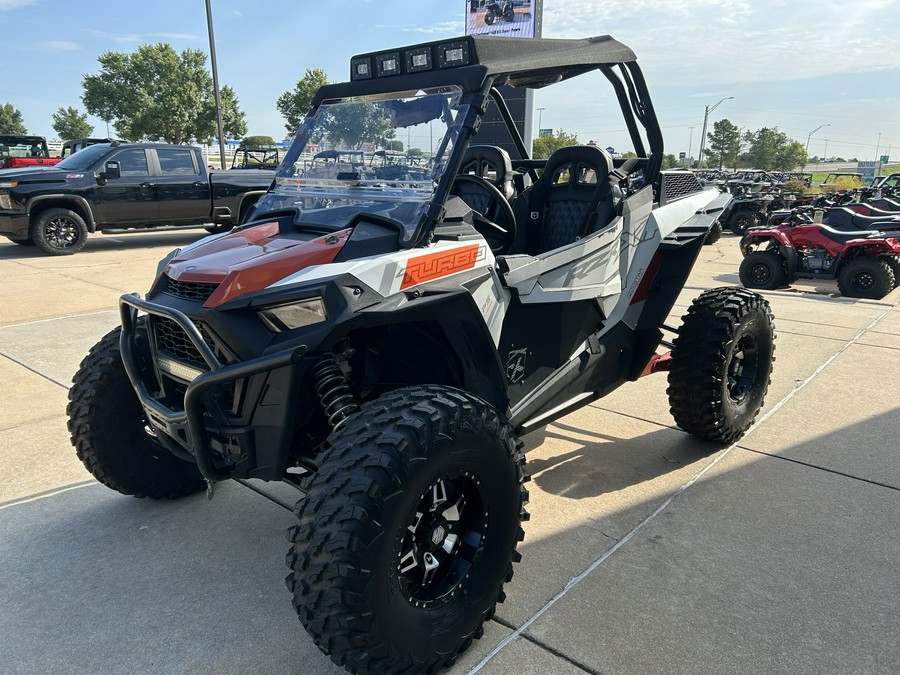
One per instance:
(724, 143)
(349, 126)
(68, 123)
(11, 121)
(293, 105)
(772, 149)
(155, 93)
(543, 146)
(250, 142)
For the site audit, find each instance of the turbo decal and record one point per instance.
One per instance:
(441, 264)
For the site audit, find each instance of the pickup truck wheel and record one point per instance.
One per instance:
(721, 364)
(409, 531)
(110, 433)
(59, 232)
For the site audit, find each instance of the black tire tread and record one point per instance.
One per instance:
(106, 426)
(346, 494)
(702, 345)
(779, 275)
(879, 267)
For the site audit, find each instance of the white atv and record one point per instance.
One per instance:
(383, 344)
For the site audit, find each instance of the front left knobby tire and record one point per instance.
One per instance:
(721, 364)
(409, 531)
(111, 436)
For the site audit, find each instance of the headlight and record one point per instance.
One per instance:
(4, 201)
(294, 315)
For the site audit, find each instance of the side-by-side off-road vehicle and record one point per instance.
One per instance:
(383, 344)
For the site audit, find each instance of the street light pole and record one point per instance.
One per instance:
(215, 74)
(810, 136)
(690, 145)
(540, 117)
(703, 133)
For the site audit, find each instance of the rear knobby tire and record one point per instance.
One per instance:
(714, 234)
(110, 434)
(423, 477)
(721, 364)
(763, 270)
(741, 221)
(866, 277)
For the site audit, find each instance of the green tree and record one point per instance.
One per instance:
(772, 149)
(11, 121)
(724, 142)
(415, 152)
(354, 124)
(543, 146)
(155, 93)
(249, 142)
(293, 105)
(68, 123)
(670, 162)
(791, 156)
(394, 145)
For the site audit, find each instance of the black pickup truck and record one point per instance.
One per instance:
(122, 186)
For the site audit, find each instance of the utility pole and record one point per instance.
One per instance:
(690, 145)
(215, 74)
(703, 134)
(810, 136)
(540, 118)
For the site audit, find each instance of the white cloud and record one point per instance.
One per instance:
(236, 13)
(174, 36)
(7, 5)
(443, 28)
(58, 46)
(697, 42)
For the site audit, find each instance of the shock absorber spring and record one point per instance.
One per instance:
(333, 391)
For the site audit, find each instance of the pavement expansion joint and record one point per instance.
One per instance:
(821, 468)
(36, 372)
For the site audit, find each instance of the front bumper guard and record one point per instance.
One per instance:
(191, 419)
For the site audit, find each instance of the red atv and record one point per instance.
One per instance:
(866, 263)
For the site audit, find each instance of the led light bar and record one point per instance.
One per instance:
(418, 59)
(177, 369)
(387, 64)
(453, 54)
(361, 68)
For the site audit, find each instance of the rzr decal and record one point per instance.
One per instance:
(441, 264)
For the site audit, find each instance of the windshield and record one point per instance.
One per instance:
(84, 159)
(23, 146)
(381, 154)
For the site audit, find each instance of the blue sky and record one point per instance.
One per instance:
(794, 64)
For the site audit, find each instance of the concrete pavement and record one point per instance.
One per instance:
(647, 551)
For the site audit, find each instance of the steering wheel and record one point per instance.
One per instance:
(498, 223)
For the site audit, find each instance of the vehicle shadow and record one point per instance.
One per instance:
(606, 464)
(113, 241)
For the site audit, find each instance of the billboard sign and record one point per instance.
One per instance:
(507, 18)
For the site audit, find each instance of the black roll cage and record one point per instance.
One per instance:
(503, 65)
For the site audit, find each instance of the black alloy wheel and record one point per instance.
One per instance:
(59, 232)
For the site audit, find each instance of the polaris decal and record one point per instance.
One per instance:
(515, 365)
(423, 268)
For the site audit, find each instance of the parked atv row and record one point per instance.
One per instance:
(861, 251)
